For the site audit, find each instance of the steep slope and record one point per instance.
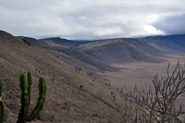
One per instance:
(65, 101)
(82, 57)
(117, 51)
(68, 51)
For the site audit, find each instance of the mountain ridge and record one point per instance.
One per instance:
(151, 46)
(127, 48)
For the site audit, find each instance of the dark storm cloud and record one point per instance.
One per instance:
(87, 19)
(172, 24)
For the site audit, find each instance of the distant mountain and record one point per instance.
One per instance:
(124, 50)
(117, 51)
(113, 51)
(105, 51)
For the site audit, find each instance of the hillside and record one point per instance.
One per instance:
(97, 55)
(68, 52)
(80, 59)
(117, 51)
(65, 101)
(101, 54)
(144, 45)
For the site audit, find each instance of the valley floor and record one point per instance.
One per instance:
(141, 73)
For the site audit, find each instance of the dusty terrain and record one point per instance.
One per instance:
(141, 73)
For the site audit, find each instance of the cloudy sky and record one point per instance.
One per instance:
(92, 19)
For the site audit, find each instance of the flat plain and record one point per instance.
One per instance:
(142, 73)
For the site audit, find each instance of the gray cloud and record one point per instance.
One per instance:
(172, 24)
(88, 19)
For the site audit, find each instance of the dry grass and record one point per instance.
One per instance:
(65, 101)
(140, 73)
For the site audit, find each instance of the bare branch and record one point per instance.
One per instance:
(160, 103)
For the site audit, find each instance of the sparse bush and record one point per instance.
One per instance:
(95, 115)
(78, 69)
(89, 74)
(81, 87)
(3, 107)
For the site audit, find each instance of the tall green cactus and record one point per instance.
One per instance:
(3, 107)
(25, 85)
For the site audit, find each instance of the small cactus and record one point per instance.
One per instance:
(3, 107)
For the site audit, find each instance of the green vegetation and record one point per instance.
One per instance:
(3, 107)
(25, 85)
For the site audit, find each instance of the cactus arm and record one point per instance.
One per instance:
(25, 96)
(29, 89)
(3, 111)
(1, 88)
(3, 107)
(40, 100)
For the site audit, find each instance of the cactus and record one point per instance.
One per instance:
(3, 107)
(25, 85)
